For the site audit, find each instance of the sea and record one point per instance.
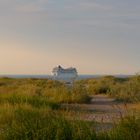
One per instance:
(80, 77)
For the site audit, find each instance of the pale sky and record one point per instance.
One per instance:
(95, 36)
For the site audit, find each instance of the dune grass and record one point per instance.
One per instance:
(129, 91)
(29, 109)
(41, 91)
(28, 123)
(123, 89)
(127, 129)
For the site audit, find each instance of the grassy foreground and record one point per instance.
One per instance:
(123, 89)
(30, 109)
(28, 123)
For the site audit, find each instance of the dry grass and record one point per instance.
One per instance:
(29, 110)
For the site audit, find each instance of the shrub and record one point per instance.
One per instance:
(100, 85)
(76, 94)
(129, 91)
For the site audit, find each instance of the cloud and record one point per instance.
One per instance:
(31, 6)
(28, 8)
(82, 21)
(23, 5)
(90, 5)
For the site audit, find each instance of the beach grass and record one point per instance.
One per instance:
(30, 109)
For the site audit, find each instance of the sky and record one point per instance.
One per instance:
(95, 36)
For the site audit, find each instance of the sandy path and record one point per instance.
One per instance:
(101, 109)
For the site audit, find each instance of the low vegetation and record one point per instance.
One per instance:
(40, 92)
(127, 129)
(24, 122)
(30, 109)
(123, 89)
(28, 123)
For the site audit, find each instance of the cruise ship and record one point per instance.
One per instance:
(68, 75)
